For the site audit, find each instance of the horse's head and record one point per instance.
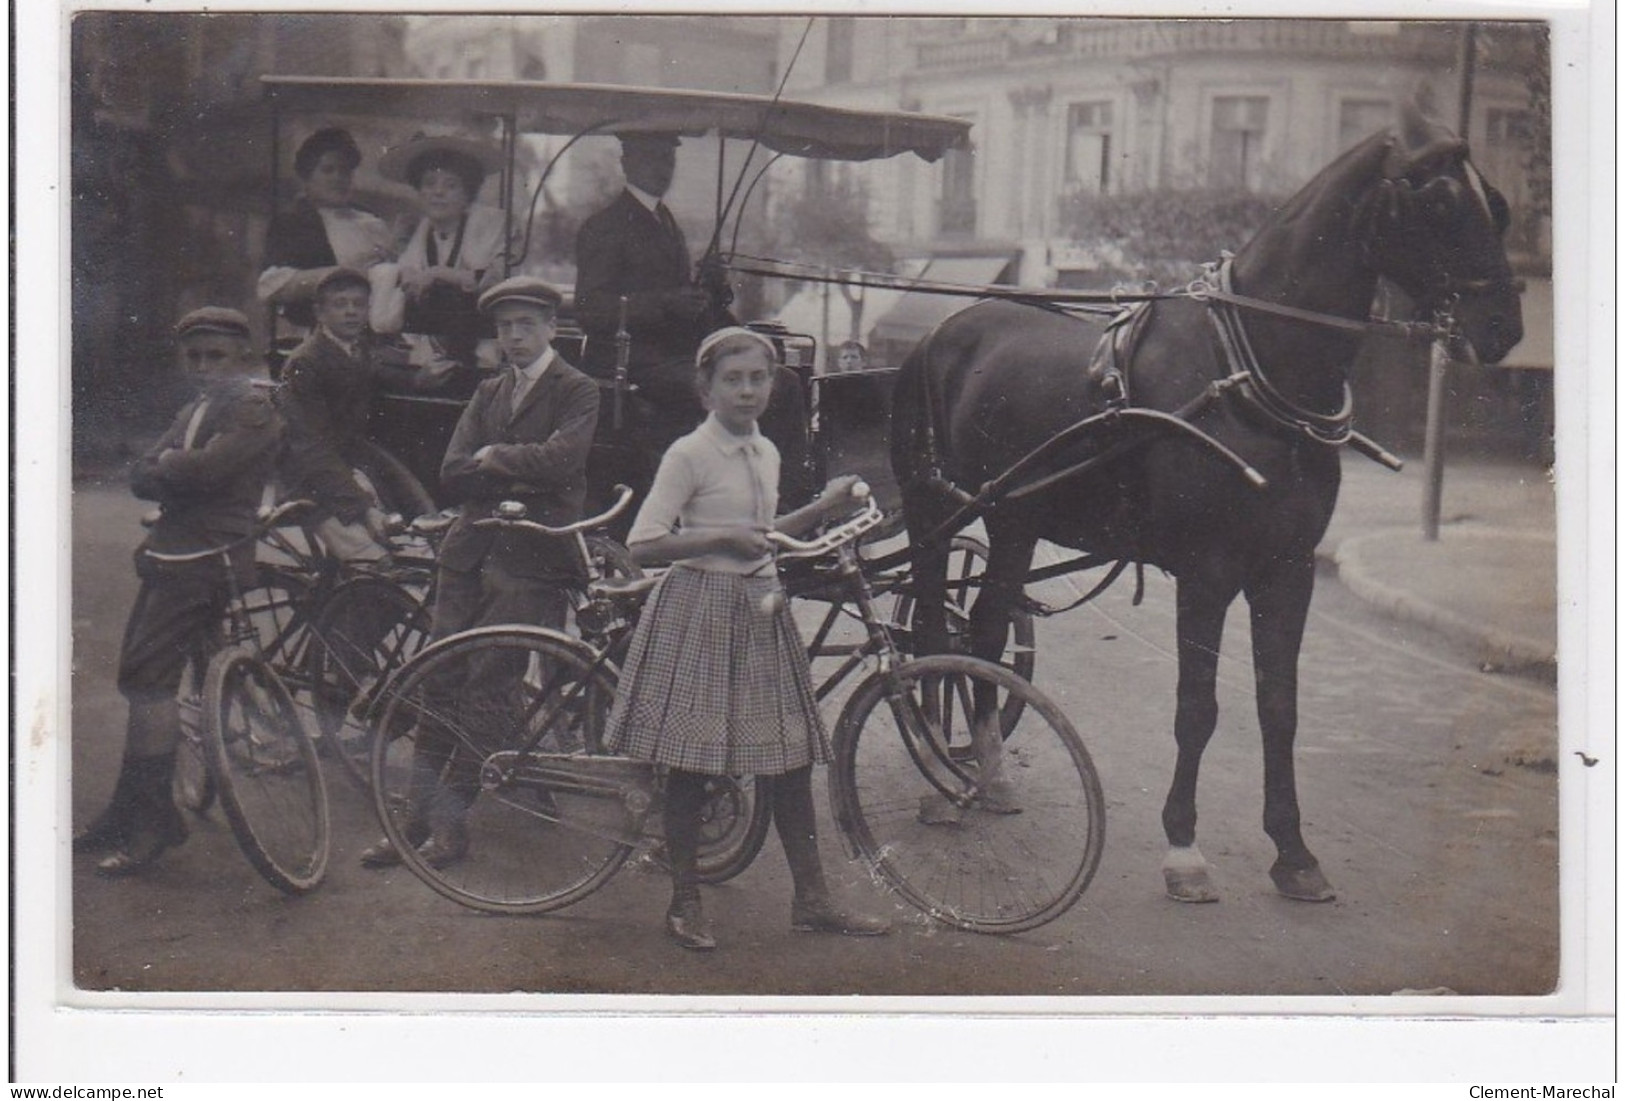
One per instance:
(1433, 225)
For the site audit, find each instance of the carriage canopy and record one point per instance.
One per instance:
(539, 107)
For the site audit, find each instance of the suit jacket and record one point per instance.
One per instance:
(624, 250)
(327, 396)
(538, 456)
(210, 485)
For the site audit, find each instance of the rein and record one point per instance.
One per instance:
(1200, 289)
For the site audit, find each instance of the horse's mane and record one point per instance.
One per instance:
(1359, 164)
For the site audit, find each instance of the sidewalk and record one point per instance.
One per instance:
(1490, 579)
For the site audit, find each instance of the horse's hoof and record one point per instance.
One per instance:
(1184, 874)
(1303, 884)
(999, 797)
(1189, 886)
(937, 810)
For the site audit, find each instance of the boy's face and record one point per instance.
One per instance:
(343, 311)
(207, 356)
(523, 331)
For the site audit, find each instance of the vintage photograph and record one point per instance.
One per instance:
(845, 507)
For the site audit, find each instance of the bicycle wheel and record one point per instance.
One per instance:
(499, 728)
(366, 630)
(733, 826)
(265, 765)
(967, 562)
(906, 791)
(194, 786)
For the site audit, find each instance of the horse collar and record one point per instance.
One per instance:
(1255, 388)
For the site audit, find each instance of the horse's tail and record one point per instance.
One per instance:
(913, 442)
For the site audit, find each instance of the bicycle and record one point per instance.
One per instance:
(538, 687)
(554, 817)
(243, 741)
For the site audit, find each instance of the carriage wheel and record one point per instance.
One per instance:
(393, 483)
(365, 631)
(994, 855)
(967, 563)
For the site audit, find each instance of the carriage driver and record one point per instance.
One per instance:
(634, 248)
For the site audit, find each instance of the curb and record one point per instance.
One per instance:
(1502, 647)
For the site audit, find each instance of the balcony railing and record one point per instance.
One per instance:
(1142, 38)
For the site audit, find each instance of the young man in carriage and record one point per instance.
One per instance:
(634, 249)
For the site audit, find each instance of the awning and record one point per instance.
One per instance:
(916, 314)
(1538, 348)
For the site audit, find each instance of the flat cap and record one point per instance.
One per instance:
(213, 319)
(343, 277)
(521, 288)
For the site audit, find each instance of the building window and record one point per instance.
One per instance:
(1358, 119)
(1089, 147)
(838, 55)
(1504, 157)
(957, 202)
(1237, 152)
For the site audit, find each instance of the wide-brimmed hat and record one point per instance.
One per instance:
(397, 161)
(521, 288)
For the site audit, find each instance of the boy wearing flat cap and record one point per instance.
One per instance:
(329, 385)
(207, 472)
(524, 436)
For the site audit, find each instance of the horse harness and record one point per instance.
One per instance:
(1244, 382)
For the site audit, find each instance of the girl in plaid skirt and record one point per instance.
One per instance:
(716, 681)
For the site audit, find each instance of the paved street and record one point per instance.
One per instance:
(1443, 854)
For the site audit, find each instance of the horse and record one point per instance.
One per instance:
(1221, 473)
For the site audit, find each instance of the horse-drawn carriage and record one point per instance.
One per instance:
(754, 130)
(1197, 430)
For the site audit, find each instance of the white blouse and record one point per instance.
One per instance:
(712, 478)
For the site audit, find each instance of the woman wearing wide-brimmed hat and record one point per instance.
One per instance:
(454, 253)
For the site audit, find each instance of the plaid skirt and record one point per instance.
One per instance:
(714, 684)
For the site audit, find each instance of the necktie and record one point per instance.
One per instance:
(521, 387)
(667, 222)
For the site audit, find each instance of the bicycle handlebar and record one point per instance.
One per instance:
(266, 520)
(511, 514)
(846, 531)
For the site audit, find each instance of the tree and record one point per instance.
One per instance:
(826, 225)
